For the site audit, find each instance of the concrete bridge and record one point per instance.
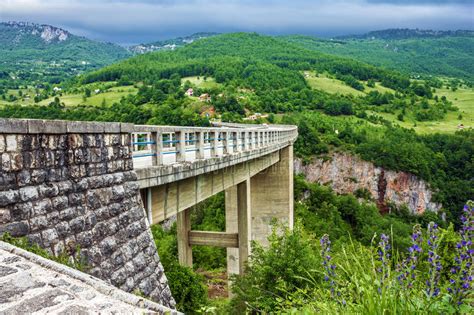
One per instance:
(178, 167)
(98, 186)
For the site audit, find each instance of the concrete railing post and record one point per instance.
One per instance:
(199, 145)
(134, 141)
(214, 136)
(226, 143)
(251, 140)
(180, 146)
(246, 145)
(235, 142)
(156, 148)
(152, 146)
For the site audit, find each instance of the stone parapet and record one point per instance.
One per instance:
(31, 283)
(69, 185)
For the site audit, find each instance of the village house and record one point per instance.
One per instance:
(189, 92)
(255, 116)
(205, 97)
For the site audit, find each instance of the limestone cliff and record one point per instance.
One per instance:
(346, 173)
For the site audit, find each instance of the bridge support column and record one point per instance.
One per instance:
(183, 225)
(238, 219)
(272, 196)
(231, 226)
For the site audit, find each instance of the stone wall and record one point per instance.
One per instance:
(70, 184)
(346, 173)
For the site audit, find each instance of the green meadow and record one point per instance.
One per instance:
(462, 98)
(201, 82)
(323, 81)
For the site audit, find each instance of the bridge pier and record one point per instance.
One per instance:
(272, 197)
(252, 206)
(183, 227)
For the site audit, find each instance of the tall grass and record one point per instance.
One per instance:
(434, 276)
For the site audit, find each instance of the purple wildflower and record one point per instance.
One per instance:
(328, 267)
(462, 272)
(407, 269)
(434, 261)
(383, 252)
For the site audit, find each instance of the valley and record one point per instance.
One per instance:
(384, 150)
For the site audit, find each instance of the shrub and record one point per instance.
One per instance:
(186, 285)
(187, 288)
(276, 271)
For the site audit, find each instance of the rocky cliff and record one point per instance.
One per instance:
(346, 173)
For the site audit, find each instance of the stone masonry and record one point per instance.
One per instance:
(33, 284)
(69, 185)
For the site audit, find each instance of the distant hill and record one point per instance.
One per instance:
(169, 44)
(261, 63)
(406, 33)
(445, 53)
(45, 47)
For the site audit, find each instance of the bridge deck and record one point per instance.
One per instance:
(163, 154)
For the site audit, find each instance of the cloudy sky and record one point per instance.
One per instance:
(138, 21)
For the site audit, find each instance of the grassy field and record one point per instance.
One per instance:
(463, 98)
(208, 83)
(322, 81)
(108, 96)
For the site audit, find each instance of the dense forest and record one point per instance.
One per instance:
(425, 53)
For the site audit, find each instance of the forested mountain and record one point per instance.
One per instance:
(411, 51)
(26, 48)
(406, 33)
(269, 67)
(169, 44)
(22, 42)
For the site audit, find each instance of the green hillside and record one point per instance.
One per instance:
(450, 55)
(43, 52)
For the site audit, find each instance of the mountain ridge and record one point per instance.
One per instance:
(169, 44)
(406, 33)
(39, 40)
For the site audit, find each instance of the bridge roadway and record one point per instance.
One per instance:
(178, 167)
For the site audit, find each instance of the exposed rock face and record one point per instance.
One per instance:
(50, 33)
(47, 33)
(346, 173)
(69, 190)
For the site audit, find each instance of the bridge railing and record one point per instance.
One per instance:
(161, 145)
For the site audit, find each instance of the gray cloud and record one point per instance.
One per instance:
(133, 21)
